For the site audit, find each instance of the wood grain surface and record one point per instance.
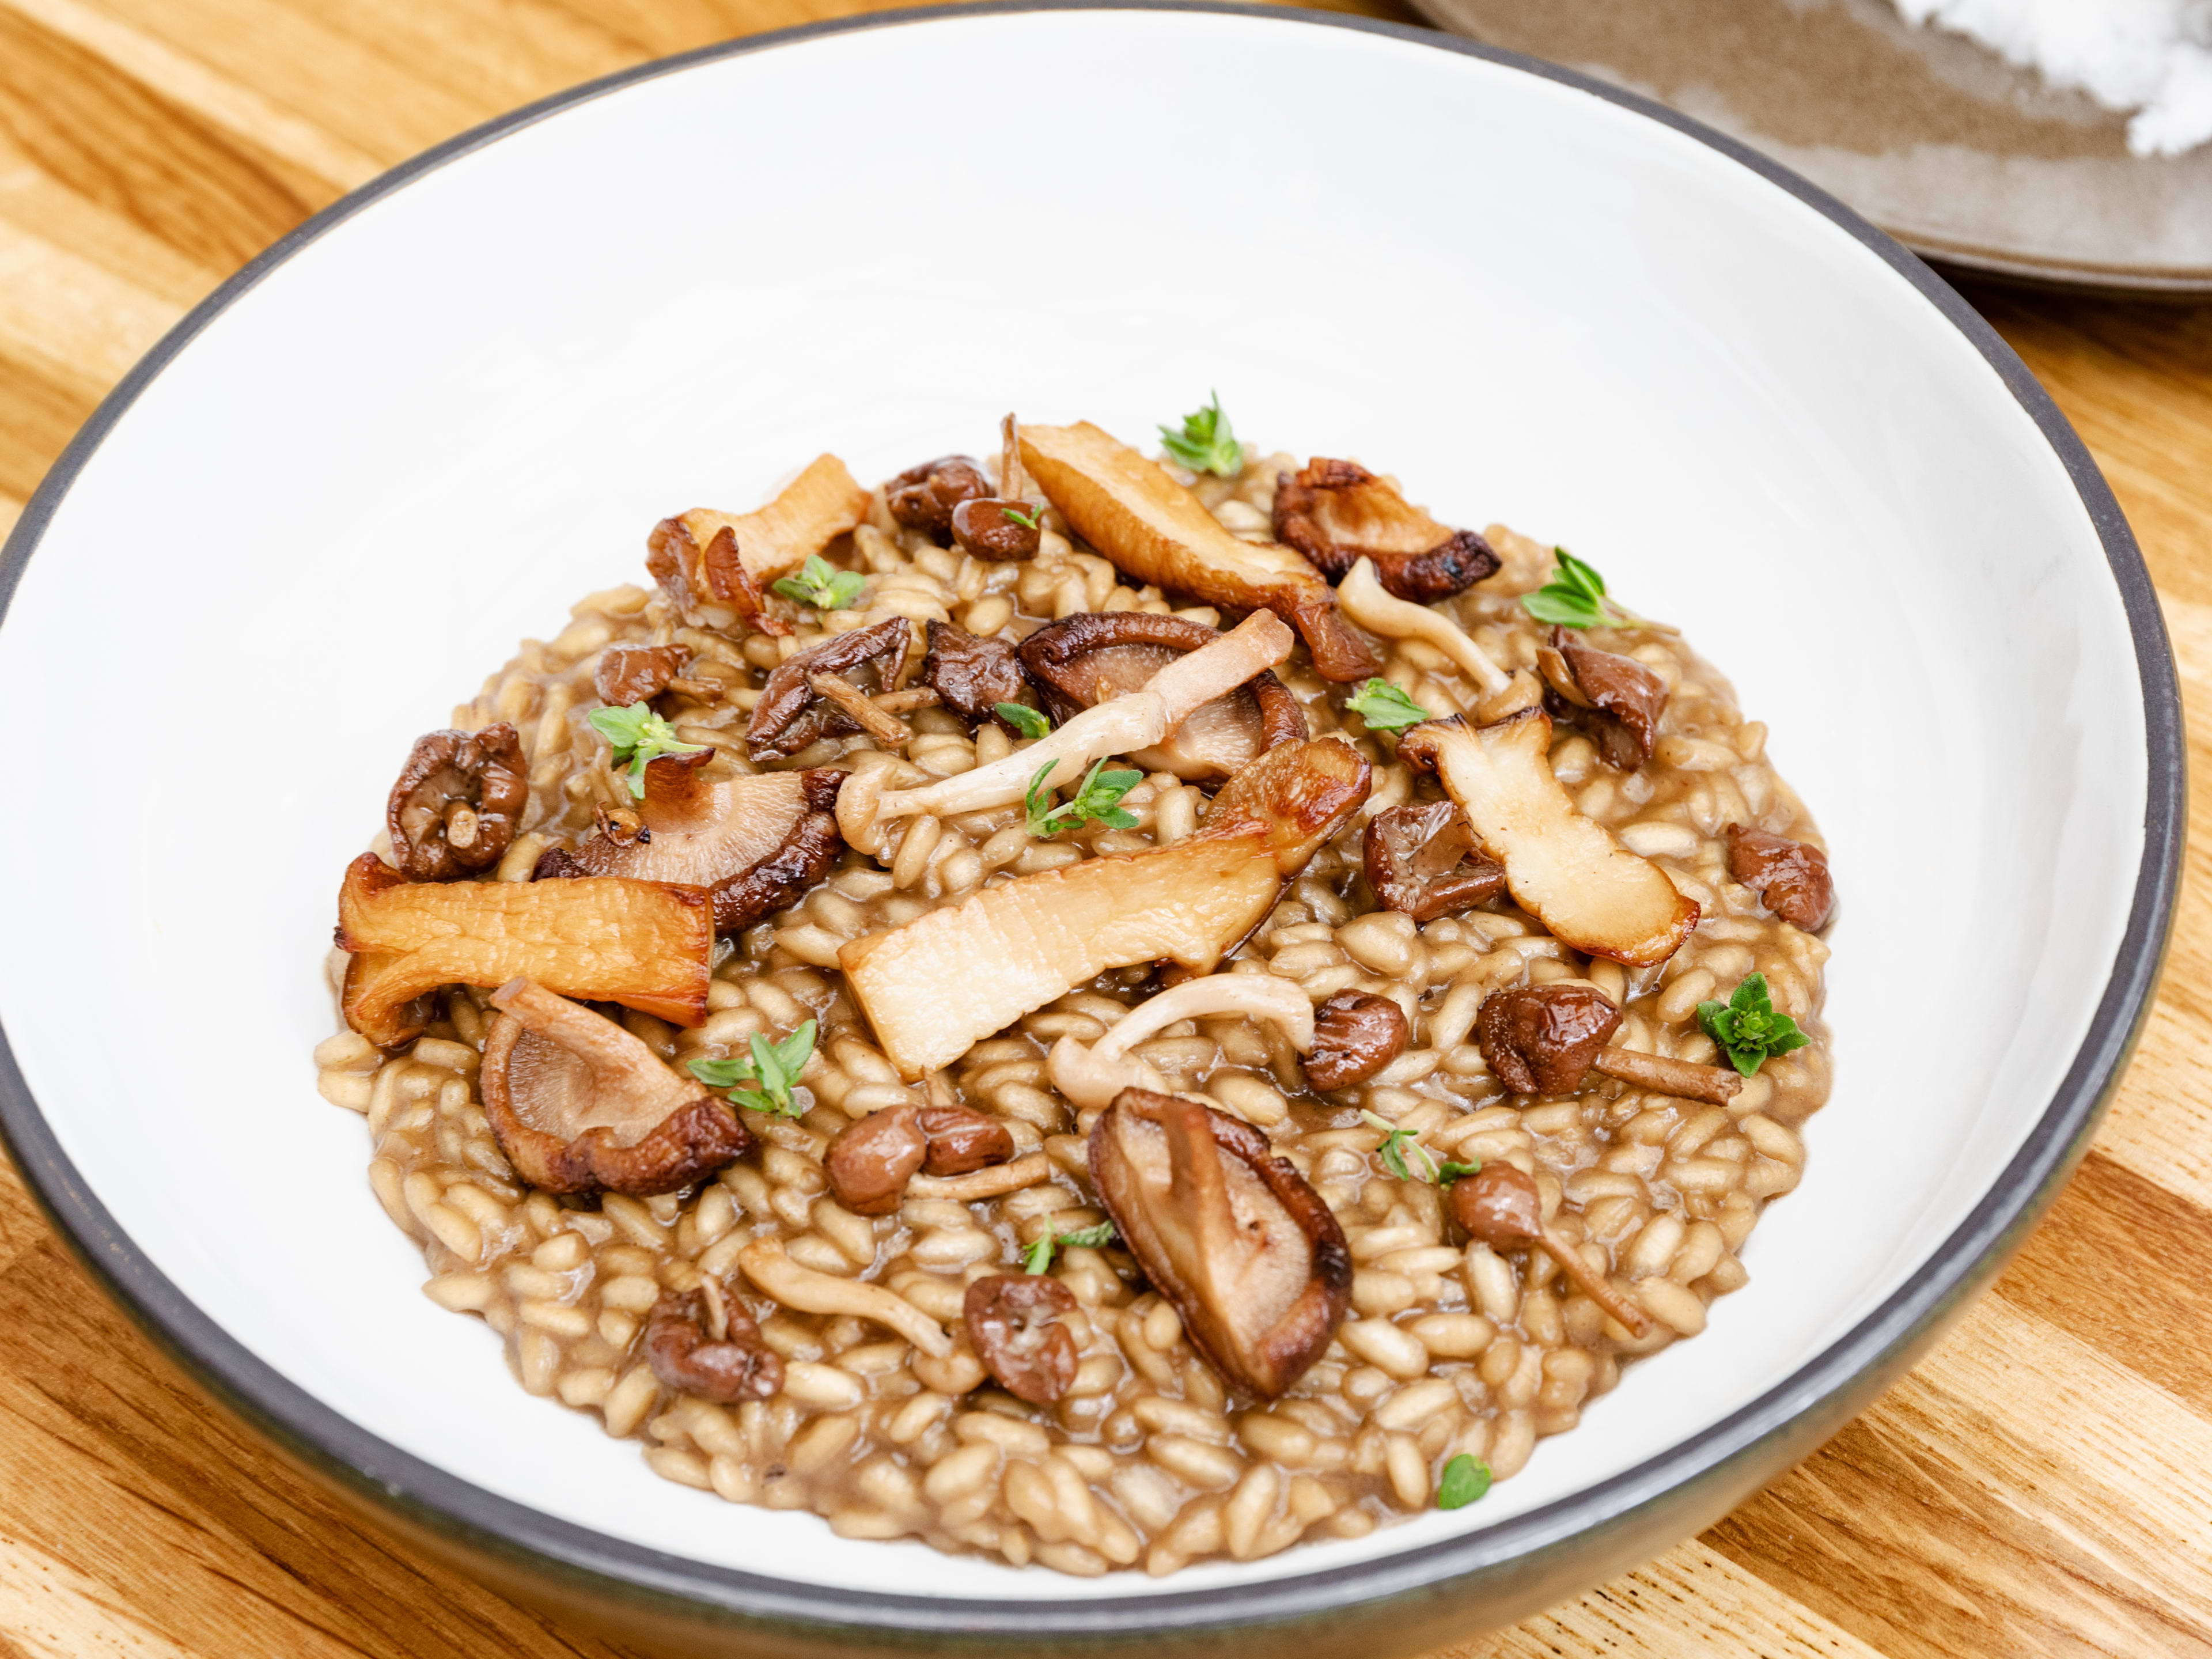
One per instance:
(2038, 1486)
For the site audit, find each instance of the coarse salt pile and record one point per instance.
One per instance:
(2151, 57)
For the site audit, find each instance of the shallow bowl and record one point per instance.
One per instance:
(329, 503)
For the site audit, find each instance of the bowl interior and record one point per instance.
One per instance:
(452, 414)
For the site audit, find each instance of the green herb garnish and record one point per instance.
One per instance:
(1017, 515)
(1385, 707)
(1747, 1028)
(1037, 1258)
(1575, 598)
(773, 1067)
(1466, 1477)
(821, 585)
(1028, 722)
(1206, 442)
(1094, 797)
(1404, 1156)
(637, 735)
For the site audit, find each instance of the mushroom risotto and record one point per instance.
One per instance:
(1098, 1011)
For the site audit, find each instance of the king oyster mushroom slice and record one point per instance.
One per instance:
(579, 1105)
(1567, 870)
(1421, 860)
(1337, 513)
(1545, 1039)
(1091, 1075)
(757, 844)
(1157, 532)
(944, 980)
(792, 712)
(454, 808)
(1092, 657)
(1616, 698)
(717, 566)
(1227, 1231)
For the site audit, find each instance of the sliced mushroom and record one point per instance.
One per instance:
(936, 986)
(705, 1343)
(792, 714)
(1093, 657)
(1337, 513)
(1091, 1075)
(1014, 1322)
(579, 1105)
(1227, 1231)
(704, 560)
(1791, 877)
(1567, 870)
(756, 843)
(923, 497)
(1421, 860)
(454, 809)
(1545, 1039)
(647, 944)
(1355, 1036)
(1155, 530)
(972, 676)
(1615, 698)
(1500, 1205)
(628, 674)
(870, 1164)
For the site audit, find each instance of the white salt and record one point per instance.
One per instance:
(2153, 58)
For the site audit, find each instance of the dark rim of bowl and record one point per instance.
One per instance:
(427, 1495)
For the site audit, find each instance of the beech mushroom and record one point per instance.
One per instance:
(628, 674)
(718, 565)
(972, 676)
(756, 843)
(1615, 698)
(1499, 1205)
(454, 808)
(1227, 1231)
(579, 1105)
(705, 1343)
(1337, 513)
(1091, 1076)
(647, 944)
(766, 1264)
(1157, 532)
(1421, 860)
(793, 712)
(1365, 602)
(924, 497)
(1356, 1035)
(1014, 1322)
(870, 1162)
(1544, 1039)
(934, 986)
(1592, 893)
(1092, 657)
(1791, 877)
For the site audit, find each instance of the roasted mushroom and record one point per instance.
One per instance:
(1092, 1074)
(1544, 1039)
(1155, 530)
(923, 497)
(647, 944)
(1227, 1231)
(704, 560)
(579, 1105)
(455, 806)
(1337, 513)
(1791, 877)
(1355, 1036)
(628, 674)
(1616, 699)
(870, 1162)
(936, 986)
(754, 843)
(1421, 860)
(972, 676)
(1366, 601)
(1014, 1322)
(1562, 868)
(1090, 658)
(792, 712)
(1500, 1205)
(766, 1264)
(704, 1343)
(987, 529)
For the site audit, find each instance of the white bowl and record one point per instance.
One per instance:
(418, 428)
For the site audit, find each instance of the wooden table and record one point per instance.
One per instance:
(2041, 1484)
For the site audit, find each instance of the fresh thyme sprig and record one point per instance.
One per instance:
(1094, 797)
(821, 584)
(1037, 1258)
(1206, 442)
(1030, 722)
(1575, 598)
(1385, 707)
(637, 735)
(1404, 1156)
(771, 1067)
(1747, 1028)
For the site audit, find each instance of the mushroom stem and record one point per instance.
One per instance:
(1714, 1085)
(794, 1286)
(883, 727)
(1090, 1077)
(906, 702)
(1594, 1285)
(995, 1183)
(1010, 460)
(1362, 598)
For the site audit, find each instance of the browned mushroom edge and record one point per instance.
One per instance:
(1014, 1323)
(870, 1162)
(579, 1105)
(1791, 877)
(1337, 513)
(692, 575)
(1082, 660)
(453, 809)
(1616, 699)
(923, 497)
(628, 674)
(1231, 1234)
(971, 676)
(792, 715)
(1500, 1205)
(1356, 1035)
(707, 1344)
(1421, 859)
(981, 526)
